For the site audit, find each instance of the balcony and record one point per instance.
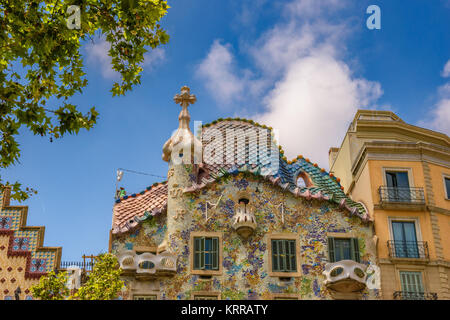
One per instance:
(408, 249)
(147, 265)
(345, 279)
(402, 198)
(405, 295)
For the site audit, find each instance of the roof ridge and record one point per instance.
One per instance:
(280, 147)
(134, 195)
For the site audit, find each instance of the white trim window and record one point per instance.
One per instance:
(446, 179)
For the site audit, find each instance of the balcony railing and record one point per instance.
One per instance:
(405, 295)
(408, 249)
(86, 265)
(401, 195)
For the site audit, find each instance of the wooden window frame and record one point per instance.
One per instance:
(343, 236)
(216, 294)
(414, 219)
(446, 192)
(422, 279)
(411, 268)
(399, 169)
(284, 236)
(156, 294)
(286, 296)
(220, 253)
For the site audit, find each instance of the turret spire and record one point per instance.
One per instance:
(183, 140)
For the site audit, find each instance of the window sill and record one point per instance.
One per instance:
(207, 272)
(285, 274)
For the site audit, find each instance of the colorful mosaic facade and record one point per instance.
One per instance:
(245, 263)
(23, 259)
(202, 199)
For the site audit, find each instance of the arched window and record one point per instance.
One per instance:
(303, 180)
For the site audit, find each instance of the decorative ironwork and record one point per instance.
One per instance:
(405, 295)
(401, 195)
(85, 265)
(408, 249)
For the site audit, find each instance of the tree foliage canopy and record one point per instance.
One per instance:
(104, 281)
(51, 287)
(41, 66)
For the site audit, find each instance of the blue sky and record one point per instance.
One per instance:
(301, 66)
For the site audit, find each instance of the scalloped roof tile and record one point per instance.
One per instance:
(130, 210)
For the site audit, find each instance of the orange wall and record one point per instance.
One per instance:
(437, 180)
(376, 172)
(362, 190)
(444, 231)
(382, 229)
(381, 216)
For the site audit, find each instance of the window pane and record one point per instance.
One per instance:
(402, 180)
(292, 256)
(447, 187)
(411, 282)
(205, 298)
(405, 240)
(206, 253)
(342, 249)
(215, 253)
(149, 297)
(197, 253)
(275, 265)
(208, 244)
(282, 255)
(208, 262)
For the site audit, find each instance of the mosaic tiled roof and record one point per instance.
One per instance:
(131, 209)
(26, 241)
(325, 185)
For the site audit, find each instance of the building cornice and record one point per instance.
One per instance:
(372, 128)
(401, 151)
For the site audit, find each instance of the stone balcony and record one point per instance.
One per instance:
(345, 279)
(147, 265)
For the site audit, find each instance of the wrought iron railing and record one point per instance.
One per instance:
(408, 249)
(401, 195)
(405, 295)
(86, 265)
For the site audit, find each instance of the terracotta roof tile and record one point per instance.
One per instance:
(129, 211)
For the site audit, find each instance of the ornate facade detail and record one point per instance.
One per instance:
(244, 221)
(147, 263)
(345, 276)
(23, 258)
(180, 213)
(183, 140)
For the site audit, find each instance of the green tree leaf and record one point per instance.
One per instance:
(41, 63)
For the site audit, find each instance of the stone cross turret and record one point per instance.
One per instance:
(183, 153)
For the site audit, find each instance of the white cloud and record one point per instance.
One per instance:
(313, 105)
(97, 55)
(218, 71)
(153, 58)
(313, 8)
(311, 94)
(439, 119)
(441, 116)
(446, 71)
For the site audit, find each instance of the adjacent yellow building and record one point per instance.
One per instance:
(401, 173)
